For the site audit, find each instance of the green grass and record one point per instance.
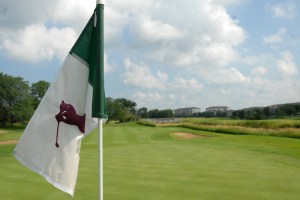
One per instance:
(146, 163)
(10, 133)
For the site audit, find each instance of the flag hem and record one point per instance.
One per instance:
(45, 176)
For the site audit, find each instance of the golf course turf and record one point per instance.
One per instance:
(150, 163)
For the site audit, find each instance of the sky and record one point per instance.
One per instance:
(166, 54)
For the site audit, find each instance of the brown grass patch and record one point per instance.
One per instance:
(2, 132)
(186, 136)
(8, 142)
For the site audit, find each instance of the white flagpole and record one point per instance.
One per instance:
(100, 137)
(100, 160)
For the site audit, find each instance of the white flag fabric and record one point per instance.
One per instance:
(37, 147)
(50, 144)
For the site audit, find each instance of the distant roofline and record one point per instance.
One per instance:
(218, 107)
(187, 108)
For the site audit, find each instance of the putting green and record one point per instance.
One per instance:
(148, 163)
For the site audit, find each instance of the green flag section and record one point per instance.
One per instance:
(50, 144)
(93, 55)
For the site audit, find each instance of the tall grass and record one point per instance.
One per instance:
(278, 127)
(146, 123)
(268, 124)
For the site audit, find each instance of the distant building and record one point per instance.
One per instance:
(215, 109)
(276, 106)
(187, 111)
(219, 109)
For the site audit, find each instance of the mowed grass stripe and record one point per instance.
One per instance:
(191, 175)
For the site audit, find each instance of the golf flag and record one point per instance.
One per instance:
(50, 144)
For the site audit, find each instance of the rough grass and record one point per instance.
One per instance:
(279, 127)
(145, 123)
(142, 162)
(267, 124)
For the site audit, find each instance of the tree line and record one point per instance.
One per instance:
(18, 99)
(281, 111)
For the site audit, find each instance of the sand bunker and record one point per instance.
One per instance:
(9, 142)
(186, 136)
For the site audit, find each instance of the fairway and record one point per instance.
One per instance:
(147, 163)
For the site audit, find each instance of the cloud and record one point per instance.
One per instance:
(286, 64)
(148, 100)
(286, 10)
(219, 54)
(156, 32)
(259, 59)
(107, 66)
(230, 2)
(225, 76)
(259, 71)
(185, 84)
(276, 38)
(147, 30)
(152, 30)
(37, 42)
(73, 13)
(141, 76)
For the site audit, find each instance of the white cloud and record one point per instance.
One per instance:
(114, 25)
(220, 54)
(141, 76)
(230, 2)
(144, 99)
(204, 35)
(149, 30)
(186, 84)
(286, 10)
(75, 13)
(225, 76)
(259, 71)
(107, 66)
(37, 42)
(286, 64)
(276, 38)
(153, 30)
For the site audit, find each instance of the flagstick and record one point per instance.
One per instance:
(100, 160)
(100, 62)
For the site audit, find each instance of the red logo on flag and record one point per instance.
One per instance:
(68, 115)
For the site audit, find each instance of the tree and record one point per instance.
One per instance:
(122, 110)
(221, 114)
(38, 91)
(267, 111)
(258, 114)
(143, 112)
(127, 104)
(289, 109)
(153, 113)
(15, 99)
(166, 113)
(242, 114)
